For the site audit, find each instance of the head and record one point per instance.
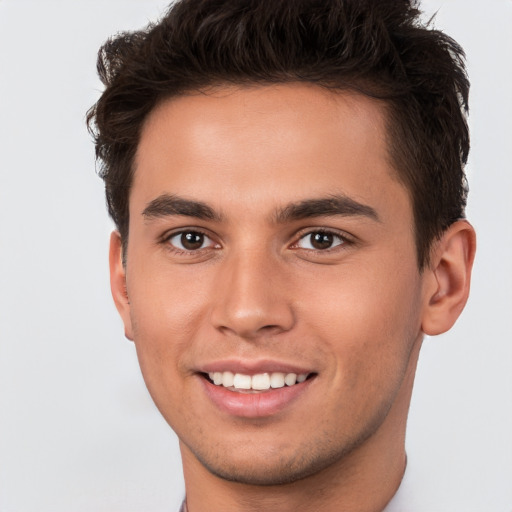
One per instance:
(287, 183)
(379, 49)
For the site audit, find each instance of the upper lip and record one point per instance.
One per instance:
(253, 367)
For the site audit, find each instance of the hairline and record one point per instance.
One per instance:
(347, 86)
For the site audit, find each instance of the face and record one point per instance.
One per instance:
(273, 290)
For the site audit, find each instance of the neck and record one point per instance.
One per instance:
(365, 480)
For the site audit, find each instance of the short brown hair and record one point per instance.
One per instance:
(376, 47)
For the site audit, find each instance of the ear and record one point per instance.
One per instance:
(118, 282)
(448, 279)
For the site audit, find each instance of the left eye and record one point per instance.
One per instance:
(320, 240)
(190, 241)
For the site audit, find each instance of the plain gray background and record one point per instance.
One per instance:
(78, 432)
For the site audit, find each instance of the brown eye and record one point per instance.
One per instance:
(320, 241)
(190, 241)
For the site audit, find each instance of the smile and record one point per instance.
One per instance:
(255, 390)
(259, 382)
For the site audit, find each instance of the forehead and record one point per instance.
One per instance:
(246, 145)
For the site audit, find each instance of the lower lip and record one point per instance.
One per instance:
(254, 405)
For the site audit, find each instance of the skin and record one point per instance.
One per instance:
(352, 314)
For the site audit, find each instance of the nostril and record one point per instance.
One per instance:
(251, 330)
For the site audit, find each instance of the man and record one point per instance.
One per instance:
(287, 182)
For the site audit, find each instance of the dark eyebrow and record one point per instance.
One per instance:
(166, 205)
(324, 207)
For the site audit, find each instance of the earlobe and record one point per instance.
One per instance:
(118, 282)
(449, 276)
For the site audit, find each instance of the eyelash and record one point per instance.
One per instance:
(166, 240)
(345, 240)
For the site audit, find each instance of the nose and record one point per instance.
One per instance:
(251, 297)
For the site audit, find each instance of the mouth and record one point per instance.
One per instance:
(260, 382)
(256, 393)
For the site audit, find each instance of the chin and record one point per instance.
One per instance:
(279, 473)
(271, 469)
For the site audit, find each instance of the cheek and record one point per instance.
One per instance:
(163, 301)
(367, 330)
(164, 310)
(369, 320)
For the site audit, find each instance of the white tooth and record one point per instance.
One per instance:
(277, 380)
(217, 378)
(261, 381)
(302, 377)
(227, 379)
(210, 375)
(290, 379)
(242, 381)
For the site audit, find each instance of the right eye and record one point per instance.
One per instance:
(190, 241)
